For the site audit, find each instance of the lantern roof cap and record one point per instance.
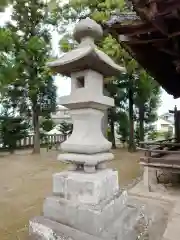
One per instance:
(86, 55)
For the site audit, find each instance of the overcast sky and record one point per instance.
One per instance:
(63, 84)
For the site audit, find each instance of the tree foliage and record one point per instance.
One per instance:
(4, 4)
(66, 128)
(26, 83)
(7, 68)
(123, 130)
(139, 92)
(32, 91)
(12, 130)
(47, 124)
(147, 101)
(116, 90)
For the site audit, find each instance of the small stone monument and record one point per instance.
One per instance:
(86, 198)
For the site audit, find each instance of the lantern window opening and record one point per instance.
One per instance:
(80, 82)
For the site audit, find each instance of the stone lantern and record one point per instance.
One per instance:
(85, 198)
(87, 66)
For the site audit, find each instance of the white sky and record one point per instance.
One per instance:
(64, 84)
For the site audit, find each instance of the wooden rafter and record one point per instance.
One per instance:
(154, 40)
(170, 52)
(134, 29)
(159, 8)
(146, 41)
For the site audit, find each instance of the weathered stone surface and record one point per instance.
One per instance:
(41, 228)
(165, 177)
(122, 228)
(94, 30)
(82, 98)
(137, 216)
(144, 217)
(92, 219)
(80, 187)
(173, 230)
(93, 82)
(87, 138)
(98, 160)
(176, 209)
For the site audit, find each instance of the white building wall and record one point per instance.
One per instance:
(162, 126)
(61, 115)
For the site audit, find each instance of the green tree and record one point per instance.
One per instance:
(126, 86)
(153, 134)
(12, 129)
(32, 92)
(4, 4)
(123, 129)
(146, 100)
(7, 68)
(66, 128)
(47, 124)
(116, 90)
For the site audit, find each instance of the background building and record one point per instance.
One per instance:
(164, 123)
(62, 115)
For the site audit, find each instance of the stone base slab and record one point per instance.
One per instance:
(80, 187)
(41, 228)
(92, 219)
(125, 226)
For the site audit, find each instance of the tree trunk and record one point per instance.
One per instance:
(105, 123)
(131, 147)
(177, 126)
(105, 117)
(141, 123)
(11, 150)
(111, 123)
(112, 135)
(36, 148)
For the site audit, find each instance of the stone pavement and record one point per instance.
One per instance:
(172, 231)
(172, 196)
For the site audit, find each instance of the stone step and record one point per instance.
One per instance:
(122, 227)
(84, 217)
(41, 228)
(129, 223)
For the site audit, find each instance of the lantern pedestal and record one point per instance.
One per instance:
(83, 206)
